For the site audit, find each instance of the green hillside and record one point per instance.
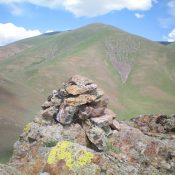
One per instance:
(17, 105)
(138, 75)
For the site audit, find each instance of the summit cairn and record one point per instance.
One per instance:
(81, 101)
(76, 134)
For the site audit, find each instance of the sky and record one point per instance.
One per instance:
(151, 19)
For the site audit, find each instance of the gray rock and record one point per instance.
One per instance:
(45, 173)
(75, 133)
(56, 101)
(95, 134)
(54, 93)
(90, 112)
(115, 125)
(8, 170)
(79, 80)
(104, 120)
(49, 113)
(46, 105)
(62, 93)
(65, 115)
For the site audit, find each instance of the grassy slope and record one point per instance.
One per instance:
(83, 51)
(98, 52)
(16, 108)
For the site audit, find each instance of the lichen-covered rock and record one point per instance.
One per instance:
(155, 123)
(47, 136)
(77, 134)
(27, 128)
(136, 147)
(76, 157)
(95, 135)
(8, 170)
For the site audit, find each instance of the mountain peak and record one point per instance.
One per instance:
(100, 26)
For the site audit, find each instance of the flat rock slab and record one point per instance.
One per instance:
(104, 120)
(77, 90)
(79, 80)
(80, 100)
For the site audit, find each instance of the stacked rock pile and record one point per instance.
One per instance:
(81, 101)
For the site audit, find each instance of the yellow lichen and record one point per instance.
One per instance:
(27, 127)
(74, 156)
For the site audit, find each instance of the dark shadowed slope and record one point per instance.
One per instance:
(165, 42)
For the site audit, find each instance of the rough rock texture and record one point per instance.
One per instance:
(75, 133)
(161, 124)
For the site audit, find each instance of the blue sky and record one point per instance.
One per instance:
(152, 19)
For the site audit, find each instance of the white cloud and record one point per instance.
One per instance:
(10, 33)
(45, 3)
(171, 7)
(165, 22)
(49, 31)
(89, 8)
(171, 36)
(100, 7)
(168, 21)
(138, 15)
(16, 11)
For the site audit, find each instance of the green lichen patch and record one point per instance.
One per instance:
(74, 156)
(27, 128)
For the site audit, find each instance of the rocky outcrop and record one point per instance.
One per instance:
(75, 133)
(160, 124)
